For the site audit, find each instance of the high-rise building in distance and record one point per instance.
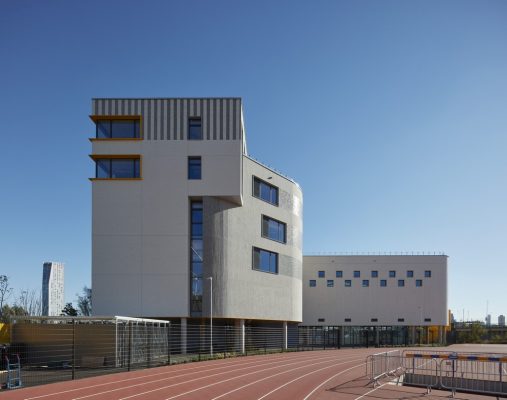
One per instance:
(52, 288)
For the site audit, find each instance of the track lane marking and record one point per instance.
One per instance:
(367, 393)
(305, 375)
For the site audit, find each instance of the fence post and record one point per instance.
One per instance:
(169, 343)
(73, 349)
(226, 327)
(129, 324)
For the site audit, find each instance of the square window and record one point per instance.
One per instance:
(383, 283)
(265, 191)
(273, 229)
(103, 129)
(357, 274)
(401, 283)
(322, 274)
(410, 274)
(339, 274)
(194, 129)
(374, 274)
(392, 274)
(348, 283)
(194, 168)
(103, 168)
(330, 283)
(418, 282)
(313, 283)
(427, 274)
(366, 283)
(264, 260)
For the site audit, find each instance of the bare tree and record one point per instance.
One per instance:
(5, 291)
(31, 301)
(84, 302)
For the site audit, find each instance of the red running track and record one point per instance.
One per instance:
(305, 375)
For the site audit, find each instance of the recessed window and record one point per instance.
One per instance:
(374, 274)
(410, 274)
(374, 320)
(401, 319)
(117, 129)
(392, 274)
(330, 283)
(194, 168)
(383, 283)
(117, 168)
(348, 319)
(348, 283)
(366, 283)
(427, 319)
(265, 191)
(401, 282)
(265, 261)
(322, 274)
(273, 229)
(357, 274)
(321, 320)
(313, 283)
(194, 129)
(339, 274)
(418, 282)
(427, 274)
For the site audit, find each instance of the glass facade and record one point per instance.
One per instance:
(118, 129)
(117, 168)
(196, 257)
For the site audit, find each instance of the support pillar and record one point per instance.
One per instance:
(285, 341)
(440, 335)
(412, 335)
(428, 335)
(183, 335)
(240, 335)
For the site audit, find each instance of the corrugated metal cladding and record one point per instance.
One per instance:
(167, 119)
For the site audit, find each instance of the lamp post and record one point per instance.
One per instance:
(211, 313)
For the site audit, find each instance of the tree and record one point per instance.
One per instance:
(5, 292)
(69, 310)
(8, 313)
(84, 302)
(31, 301)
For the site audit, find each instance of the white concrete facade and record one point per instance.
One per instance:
(141, 228)
(53, 288)
(370, 304)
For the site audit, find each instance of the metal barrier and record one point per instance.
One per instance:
(383, 364)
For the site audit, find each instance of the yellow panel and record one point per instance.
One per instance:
(5, 333)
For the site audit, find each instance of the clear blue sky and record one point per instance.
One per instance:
(390, 114)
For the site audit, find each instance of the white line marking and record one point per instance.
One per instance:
(305, 375)
(271, 376)
(367, 393)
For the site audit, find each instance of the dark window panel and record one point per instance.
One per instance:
(194, 129)
(194, 168)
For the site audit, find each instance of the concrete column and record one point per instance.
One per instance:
(377, 337)
(427, 335)
(240, 335)
(412, 335)
(440, 335)
(285, 343)
(183, 334)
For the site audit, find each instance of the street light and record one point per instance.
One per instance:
(211, 313)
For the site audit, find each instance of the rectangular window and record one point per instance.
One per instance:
(348, 283)
(401, 319)
(383, 283)
(264, 191)
(418, 282)
(196, 257)
(401, 283)
(366, 283)
(273, 229)
(392, 274)
(321, 320)
(194, 129)
(313, 283)
(330, 283)
(410, 274)
(374, 274)
(117, 168)
(427, 319)
(427, 274)
(117, 129)
(348, 319)
(194, 168)
(322, 274)
(374, 320)
(357, 274)
(339, 274)
(265, 261)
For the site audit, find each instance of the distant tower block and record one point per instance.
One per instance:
(52, 289)
(501, 320)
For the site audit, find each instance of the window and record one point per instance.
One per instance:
(427, 319)
(348, 319)
(383, 283)
(330, 283)
(374, 274)
(265, 261)
(348, 283)
(321, 320)
(322, 274)
(418, 282)
(339, 274)
(401, 319)
(194, 168)
(194, 129)
(313, 283)
(427, 274)
(273, 229)
(401, 282)
(410, 274)
(117, 129)
(392, 274)
(357, 274)
(196, 257)
(374, 320)
(366, 283)
(117, 168)
(264, 191)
